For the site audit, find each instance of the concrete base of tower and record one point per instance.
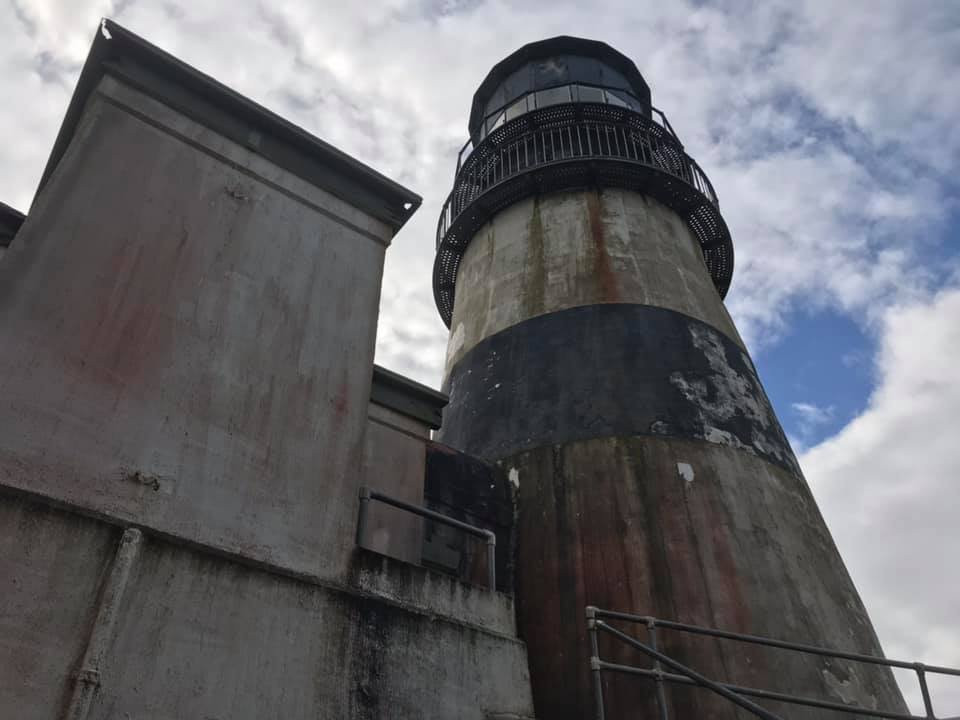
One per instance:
(692, 531)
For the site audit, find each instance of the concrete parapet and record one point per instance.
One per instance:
(202, 635)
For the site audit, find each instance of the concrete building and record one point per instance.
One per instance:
(189, 410)
(214, 505)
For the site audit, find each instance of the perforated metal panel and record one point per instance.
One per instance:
(577, 145)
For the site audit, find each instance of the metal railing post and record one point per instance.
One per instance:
(595, 662)
(924, 690)
(492, 560)
(362, 514)
(661, 694)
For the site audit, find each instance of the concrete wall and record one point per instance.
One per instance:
(402, 462)
(395, 463)
(469, 489)
(569, 249)
(202, 635)
(186, 347)
(186, 337)
(52, 565)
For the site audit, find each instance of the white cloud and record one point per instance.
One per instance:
(889, 487)
(810, 417)
(813, 414)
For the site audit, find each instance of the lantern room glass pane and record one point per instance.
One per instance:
(591, 94)
(553, 96)
(494, 123)
(517, 109)
(613, 99)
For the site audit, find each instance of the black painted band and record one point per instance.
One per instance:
(605, 371)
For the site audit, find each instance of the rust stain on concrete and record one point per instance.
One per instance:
(605, 523)
(603, 274)
(132, 329)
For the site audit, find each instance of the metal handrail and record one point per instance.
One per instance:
(685, 675)
(467, 148)
(366, 495)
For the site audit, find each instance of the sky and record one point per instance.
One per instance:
(829, 130)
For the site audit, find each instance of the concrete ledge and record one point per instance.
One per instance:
(433, 592)
(408, 587)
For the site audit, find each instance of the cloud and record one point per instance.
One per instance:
(889, 487)
(810, 418)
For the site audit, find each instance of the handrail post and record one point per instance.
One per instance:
(362, 514)
(924, 690)
(661, 694)
(492, 560)
(595, 662)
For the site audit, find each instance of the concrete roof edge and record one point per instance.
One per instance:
(121, 52)
(10, 221)
(407, 397)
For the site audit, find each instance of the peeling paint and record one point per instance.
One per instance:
(685, 470)
(850, 691)
(693, 386)
(726, 394)
(514, 476)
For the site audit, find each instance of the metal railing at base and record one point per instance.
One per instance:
(734, 693)
(367, 495)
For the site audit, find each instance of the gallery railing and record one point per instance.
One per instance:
(734, 693)
(570, 146)
(591, 131)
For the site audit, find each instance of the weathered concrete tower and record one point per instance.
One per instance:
(582, 263)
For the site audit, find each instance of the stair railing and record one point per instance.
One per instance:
(734, 693)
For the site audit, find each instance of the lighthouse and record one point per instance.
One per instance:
(582, 264)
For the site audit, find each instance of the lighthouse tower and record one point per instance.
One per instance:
(582, 261)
